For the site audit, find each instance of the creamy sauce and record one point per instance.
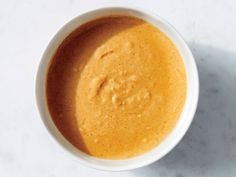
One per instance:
(116, 87)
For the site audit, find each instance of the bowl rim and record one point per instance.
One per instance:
(141, 160)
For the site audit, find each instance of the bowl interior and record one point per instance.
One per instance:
(183, 123)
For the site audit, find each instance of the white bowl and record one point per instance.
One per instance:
(183, 123)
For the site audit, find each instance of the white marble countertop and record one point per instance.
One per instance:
(209, 147)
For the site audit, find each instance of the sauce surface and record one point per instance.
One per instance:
(116, 87)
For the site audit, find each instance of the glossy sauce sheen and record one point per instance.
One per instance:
(116, 87)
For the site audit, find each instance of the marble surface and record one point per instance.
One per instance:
(209, 147)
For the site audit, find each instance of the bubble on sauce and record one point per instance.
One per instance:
(113, 85)
(144, 140)
(127, 91)
(128, 45)
(116, 100)
(146, 95)
(103, 99)
(133, 78)
(86, 67)
(139, 115)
